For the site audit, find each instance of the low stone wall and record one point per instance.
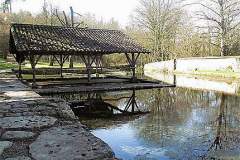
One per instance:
(37, 128)
(187, 65)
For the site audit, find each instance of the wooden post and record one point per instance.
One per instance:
(89, 67)
(132, 63)
(133, 67)
(20, 70)
(33, 65)
(88, 61)
(61, 65)
(97, 62)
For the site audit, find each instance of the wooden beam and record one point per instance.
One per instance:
(97, 62)
(20, 70)
(89, 68)
(56, 59)
(88, 61)
(132, 63)
(133, 67)
(65, 58)
(33, 65)
(38, 58)
(61, 66)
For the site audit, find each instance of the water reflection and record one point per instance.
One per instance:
(104, 104)
(228, 86)
(182, 124)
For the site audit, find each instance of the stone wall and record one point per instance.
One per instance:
(39, 128)
(186, 65)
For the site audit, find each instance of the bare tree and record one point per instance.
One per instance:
(45, 11)
(222, 17)
(69, 22)
(161, 19)
(6, 6)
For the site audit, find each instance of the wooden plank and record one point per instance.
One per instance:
(101, 87)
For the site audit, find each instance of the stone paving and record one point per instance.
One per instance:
(37, 128)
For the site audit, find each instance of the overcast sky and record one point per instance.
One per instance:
(105, 9)
(120, 10)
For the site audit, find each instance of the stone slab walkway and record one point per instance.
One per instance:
(37, 128)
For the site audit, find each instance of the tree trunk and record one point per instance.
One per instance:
(222, 47)
(72, 25)
(223, 29)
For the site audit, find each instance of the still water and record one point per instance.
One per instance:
(182, 123)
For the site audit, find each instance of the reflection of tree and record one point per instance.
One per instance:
(169, 109)
(221, 117)
(226, 138)
(172, 109)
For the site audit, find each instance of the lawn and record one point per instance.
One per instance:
(55, 65)
(220, 73)
(9, 65)
(6, 65)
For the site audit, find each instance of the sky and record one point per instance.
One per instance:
(120, 10)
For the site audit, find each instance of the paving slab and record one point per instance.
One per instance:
(70, 142)
(19, 158)
(27, 122)
(4, 145)
(23, 110)
(17, 135)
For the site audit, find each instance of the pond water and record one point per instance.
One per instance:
(182, 123)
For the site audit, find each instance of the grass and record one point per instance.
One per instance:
(218, 73)
(6, 65)
(55, 65)
(9, 65)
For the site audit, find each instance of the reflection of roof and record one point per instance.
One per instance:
(43, 39)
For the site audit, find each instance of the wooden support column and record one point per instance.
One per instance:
(33, 59)
(89, 60)
(132, 63)
(61, 65)
(20, 70)
(98, 65)
(19, 60)
(88, 68)
(61, 61)
(133, 67)
(32, 62)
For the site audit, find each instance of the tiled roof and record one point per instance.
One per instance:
(43, 39)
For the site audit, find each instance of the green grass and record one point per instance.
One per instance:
(220, 73)
(6, 65)
(55, 65)
(9, 65)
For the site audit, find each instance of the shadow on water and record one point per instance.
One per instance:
(182, 123)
